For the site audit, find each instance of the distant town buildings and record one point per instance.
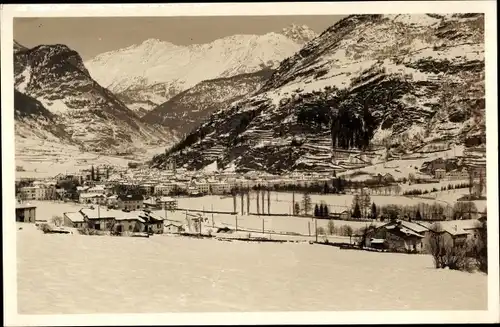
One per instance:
(440, 173)
(38, 192)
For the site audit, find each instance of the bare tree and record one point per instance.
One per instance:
(464, 209)
(480, 248)
(446, 253)
(57, 220)
(481, 184)
(436, 245)
(331, 227)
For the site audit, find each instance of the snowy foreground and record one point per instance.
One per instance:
(96, 274)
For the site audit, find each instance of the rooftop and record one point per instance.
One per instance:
(24, 205)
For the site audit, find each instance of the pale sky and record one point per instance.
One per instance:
(90, 36)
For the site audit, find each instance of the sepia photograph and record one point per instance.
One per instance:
(231, 158)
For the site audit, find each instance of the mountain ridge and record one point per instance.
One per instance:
(55, 78)
(154, 71)
(368, 88)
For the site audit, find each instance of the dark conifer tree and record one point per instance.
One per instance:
(357, 211)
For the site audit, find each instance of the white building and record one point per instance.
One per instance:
(167, 187)
(98, 189)
(94, 198)
(220, 188)
(38, 192)
(202, 186)
(440, 173)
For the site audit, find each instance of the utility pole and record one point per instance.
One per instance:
(262, 225)
(234, 201)
(236, 218)
(258, 206)
(242, 201)
(309, 227)
(268, 201)
(248, 201)
(213, 224)
(316, 228)
(263, 202)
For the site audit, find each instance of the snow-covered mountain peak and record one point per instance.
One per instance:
(299, 33)
(154, 71)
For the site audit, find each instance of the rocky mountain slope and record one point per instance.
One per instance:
(18, 47)
(55, 93)
(189, 108)
(371, 87)
(146, 75)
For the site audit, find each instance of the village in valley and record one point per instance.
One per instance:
(380, 213)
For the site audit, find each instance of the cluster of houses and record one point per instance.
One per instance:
(121, 221)
(407, 236)
(471, 169)
(103, 196)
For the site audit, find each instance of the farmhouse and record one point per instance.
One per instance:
(154, 221)
(73, 220)
(112, 220)
(343, 215)
(458, 232)
(398, 235)
(25, 213)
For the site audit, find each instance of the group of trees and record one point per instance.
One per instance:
(443, 188)
(337, 185)
(321, 210)
(429, 212)
(464, 210)
(70, 187)
(361, 203)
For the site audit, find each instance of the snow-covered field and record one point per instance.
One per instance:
(47, 159)
(282, 203)
(94, 274)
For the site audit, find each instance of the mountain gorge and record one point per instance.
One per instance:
(149, 74)
(56, 97)
(371, 87)
(189, 108)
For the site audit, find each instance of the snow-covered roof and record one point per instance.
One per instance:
(113, 214)
(166, 199)
(75, 217)
(459, 227)
(150, 201)
(24, 205)
(91, 195)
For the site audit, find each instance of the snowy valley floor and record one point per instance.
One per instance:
(69, 274)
